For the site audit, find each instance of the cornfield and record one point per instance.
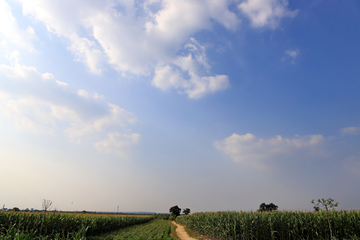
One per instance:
(274, 225)
(60, 225)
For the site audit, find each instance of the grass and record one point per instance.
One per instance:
(173, 234)
(192, 234)
(155, 229)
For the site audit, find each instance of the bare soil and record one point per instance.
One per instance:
(182, 234)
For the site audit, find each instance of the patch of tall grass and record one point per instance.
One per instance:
(274, 225)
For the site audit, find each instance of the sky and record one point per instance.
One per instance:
(212, 105)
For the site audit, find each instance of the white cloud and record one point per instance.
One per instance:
(17, 70)
(83, 93)
(135, 39)
(64, 84)
(10, 31)
(350, 131)
(118, 143)
(195, 86)
(39, 103)
(266, 13)
(48, 76)
(248, 149)
(291, 54)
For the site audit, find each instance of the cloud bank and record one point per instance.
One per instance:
(150, 38)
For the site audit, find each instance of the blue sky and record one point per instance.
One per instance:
(209, 105)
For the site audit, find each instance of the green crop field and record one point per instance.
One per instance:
(60, 226)
(274, 225)
(155, 229)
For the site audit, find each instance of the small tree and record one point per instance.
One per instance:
(46, 204)
(327, 205)
(175, 210)
(16, 209)
(186, 211)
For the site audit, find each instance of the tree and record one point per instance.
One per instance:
(16, 209)
(327, 205)
(175, 210)
(267, 207)
(186, 211)
(46, 204)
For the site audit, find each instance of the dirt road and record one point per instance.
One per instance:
(182, 234)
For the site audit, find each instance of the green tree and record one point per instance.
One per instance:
(328, 205)
(175, 210)
(186, 211)
(267, 207)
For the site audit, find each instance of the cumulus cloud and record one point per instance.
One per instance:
(118, 143)
(39, 103)
(10, 32)
(266, 13)
(135, 38)
(248, 149)
(167, 77)
(183, 75)
(350, 131)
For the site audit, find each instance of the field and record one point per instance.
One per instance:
(274, 225)
(24, 226)
(214, 225)
(155, 229)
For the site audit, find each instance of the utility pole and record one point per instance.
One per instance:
(118, 209)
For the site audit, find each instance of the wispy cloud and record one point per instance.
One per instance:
(266, 13)
(118, 143)
(250, 150)
(291, 54)
(350, 131)
(42, 104)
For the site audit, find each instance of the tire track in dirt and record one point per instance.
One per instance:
(182, 234)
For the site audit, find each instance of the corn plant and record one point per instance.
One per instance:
(61, 226)
(274, 225)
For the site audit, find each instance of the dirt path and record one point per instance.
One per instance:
(182, 234)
